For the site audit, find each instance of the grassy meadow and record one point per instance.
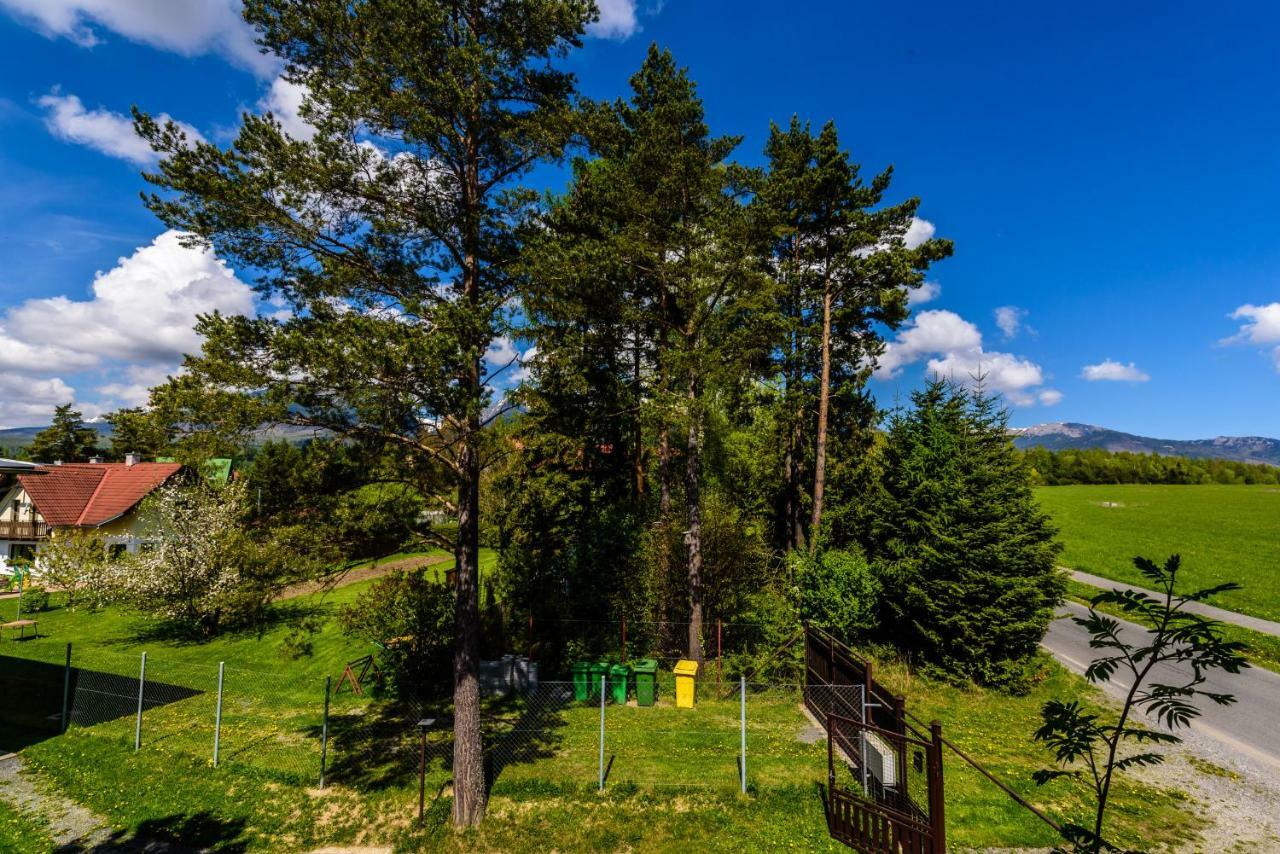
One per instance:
(1224, 533)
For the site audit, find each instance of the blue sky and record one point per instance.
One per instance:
(1108, 172)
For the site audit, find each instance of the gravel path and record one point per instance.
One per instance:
(70, 824)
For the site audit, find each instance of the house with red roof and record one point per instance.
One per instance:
(102, 496)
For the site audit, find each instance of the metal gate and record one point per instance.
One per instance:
(884, 776)
(884, 789)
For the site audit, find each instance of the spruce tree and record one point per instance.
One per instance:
(966, 556)
(392, 235)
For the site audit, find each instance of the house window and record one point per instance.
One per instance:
(22, 551)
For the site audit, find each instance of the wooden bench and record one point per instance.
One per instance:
(21, 627)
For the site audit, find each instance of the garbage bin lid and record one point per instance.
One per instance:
(685, 667)
(619, 668)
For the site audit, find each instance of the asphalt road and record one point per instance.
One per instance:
(1251, 726)
(1267, 627)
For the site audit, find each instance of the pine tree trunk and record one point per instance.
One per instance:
(795, 520)
(664, 469)
(637, 429)
(693, 536)
(469, 792)
(824, 402)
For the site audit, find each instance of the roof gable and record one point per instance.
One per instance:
(92, 494)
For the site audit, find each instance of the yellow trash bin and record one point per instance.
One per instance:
(686, 672)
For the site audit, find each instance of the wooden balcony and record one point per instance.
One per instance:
(23, 530)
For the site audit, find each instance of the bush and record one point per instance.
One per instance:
(837, 591)
(34, 600)
(409, 617)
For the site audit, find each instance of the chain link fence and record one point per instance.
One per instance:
(738, 736)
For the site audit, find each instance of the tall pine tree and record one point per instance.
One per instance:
(843, 267)
(392, 236)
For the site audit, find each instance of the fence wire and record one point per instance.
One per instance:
(547, 732)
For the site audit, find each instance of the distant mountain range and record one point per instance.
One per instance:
(20, 437)
(1060, 436)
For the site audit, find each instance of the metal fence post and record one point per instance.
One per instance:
(602, 695)
(142, 682)
(324, 730)
(743, 770)
(217, 717)
(66, 690)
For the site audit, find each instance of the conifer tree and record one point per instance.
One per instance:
(967, 557)
(843, 268)
(391, 234)
(654, 248)
(66, 440)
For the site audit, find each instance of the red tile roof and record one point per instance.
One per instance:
(91, 494)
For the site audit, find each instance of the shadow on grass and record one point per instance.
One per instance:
(382, 748)
(181, 832)
(273, 616)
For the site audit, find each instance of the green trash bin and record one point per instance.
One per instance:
(581, 680)
(619, 676)
(596, 671)
(646, 670)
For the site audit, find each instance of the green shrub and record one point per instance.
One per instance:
(34, 600)
(837, 591)
(410, 619)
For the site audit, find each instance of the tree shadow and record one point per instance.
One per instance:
(382, 748)
(172, 834)
(274, 615)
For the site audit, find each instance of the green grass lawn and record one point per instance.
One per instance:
(1224, 533)
(673, 774)
(20, 832)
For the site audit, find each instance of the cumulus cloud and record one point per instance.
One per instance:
(1261, 327)
(1009, 319)
(131, 333)
(283, 100)
(25, 401)
(111, 133)
(1109, 370)
(927, 292)
(617, 20)
(918, 232)
(952, 347)
(186, 27)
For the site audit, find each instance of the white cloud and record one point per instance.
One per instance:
(927, 292)
(1262, 327)
(1049, 397)
(283, 100)
(1009, 319)
(108, 132)
(26, 402)
(918, 232)
(952, 347)
(1109, 370)
(130, 334)
(142, 310)
(617, 20)
(186, 27)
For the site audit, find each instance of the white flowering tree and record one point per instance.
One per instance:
(196, 567)
(75, 562)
